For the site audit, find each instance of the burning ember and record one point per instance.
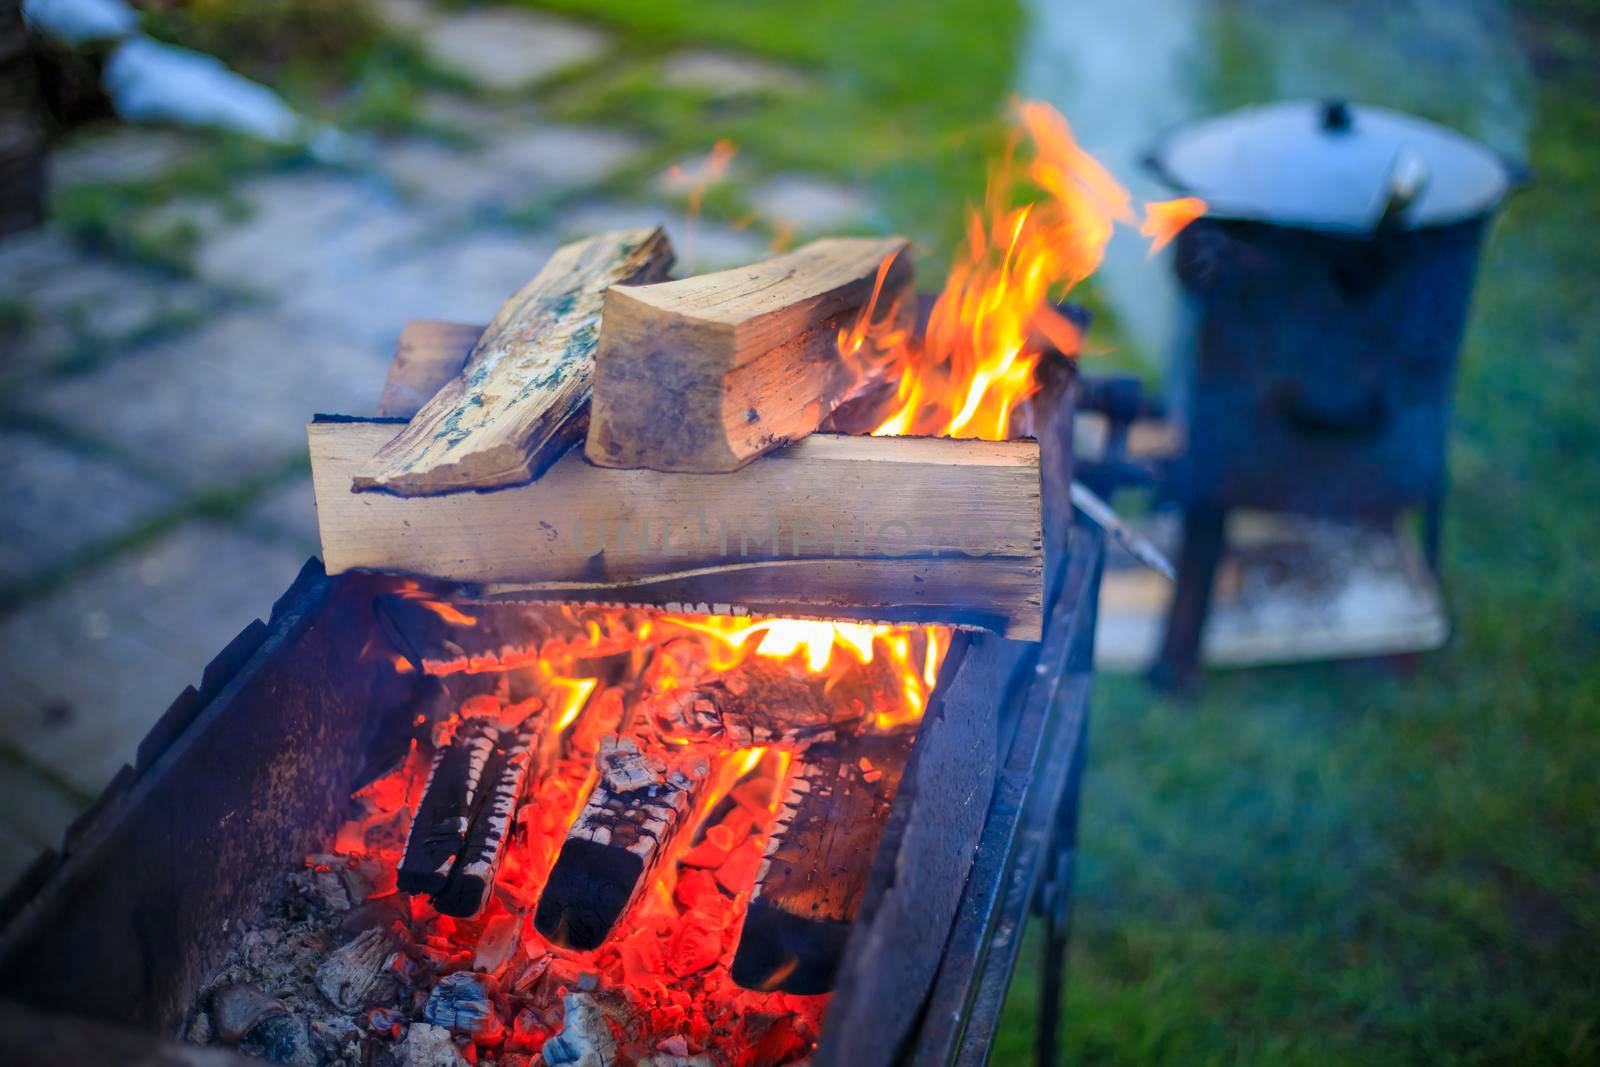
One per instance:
(600, 848)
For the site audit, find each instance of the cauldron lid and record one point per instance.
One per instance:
(1331, 165)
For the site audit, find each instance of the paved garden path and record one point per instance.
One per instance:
(158, 497)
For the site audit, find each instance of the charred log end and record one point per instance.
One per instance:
(588, 890)
(423, 881)
(782, 952)
(461, 896)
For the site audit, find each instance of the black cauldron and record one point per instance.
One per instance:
(1326, 291)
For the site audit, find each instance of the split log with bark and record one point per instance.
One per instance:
(704, 374)
(639, 804)
(819, 856)
(522, 398)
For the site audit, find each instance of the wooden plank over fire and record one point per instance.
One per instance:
(472, 637)
(871, 528)
(523, 396)
(704, 374)
(819, 856)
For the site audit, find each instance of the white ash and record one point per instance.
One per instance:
(429, 1046)
(265, 998)
(624, 768)
(237, 1009)
(585, 1039)
(354, 977)
(463, 1003)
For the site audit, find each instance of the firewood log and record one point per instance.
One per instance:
(466, 889)
(439, 832)
(877, 529)
(638, 806)
(426, 357)
(761, 702)
(522, 398)
(466, 636)
(819, 855)
(704, 374)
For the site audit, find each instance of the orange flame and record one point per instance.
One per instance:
(989, 326)
(1163, 219)
(574, 693)
(782, 638)
(702, 174)
(699, 176)
(817, 641)
(411, 590)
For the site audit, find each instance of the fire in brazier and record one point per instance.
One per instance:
(637, 834)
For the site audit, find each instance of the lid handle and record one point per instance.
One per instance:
(1408, 177)
(1336, 115)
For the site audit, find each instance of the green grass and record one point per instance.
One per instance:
(110, 217)
(907, 102)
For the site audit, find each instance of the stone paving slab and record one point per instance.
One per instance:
(500, 48)
(474, 118)
(452, 176)
(74, 301)
(219, 403)
(85, 673)
(700, 246)
(340, 259)
(726, 74)
(517, 162)
(304, 225)
(111, 301)
(458, 279)
(289, 515)
(33, 809)
(31, 259)
(562, 155)
(58, 502)
(118, 152)
(812, 206)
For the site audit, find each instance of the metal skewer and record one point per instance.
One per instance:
(1099, 512)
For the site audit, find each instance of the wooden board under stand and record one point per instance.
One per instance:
(706, 373)
(523, 396)
(834, 526)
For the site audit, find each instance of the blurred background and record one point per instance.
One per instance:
(1376, 862)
